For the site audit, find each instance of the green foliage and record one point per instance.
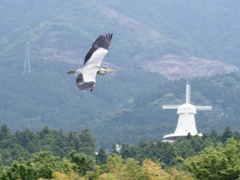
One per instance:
(82, 163)
(41, 164)
(211, 156)
(87, 144)
(173, 154)
(132, 170)
(25, 143)
(216, 162)
(227, 133)
(101, 157)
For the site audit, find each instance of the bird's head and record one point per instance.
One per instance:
(76, 72)
(104, 70)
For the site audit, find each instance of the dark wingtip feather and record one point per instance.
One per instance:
(103, 41)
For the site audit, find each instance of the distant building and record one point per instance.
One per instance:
(186, 120)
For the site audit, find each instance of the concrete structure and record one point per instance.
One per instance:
(186, 120)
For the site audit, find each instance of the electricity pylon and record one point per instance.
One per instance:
(27, 66)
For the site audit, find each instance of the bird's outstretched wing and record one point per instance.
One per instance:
(102, 42)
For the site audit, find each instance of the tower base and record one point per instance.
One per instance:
(173, 137)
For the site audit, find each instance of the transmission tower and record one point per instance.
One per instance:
(27, 66)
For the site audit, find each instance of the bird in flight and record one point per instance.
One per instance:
(86, 76)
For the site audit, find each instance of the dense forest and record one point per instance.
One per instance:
(52, 154)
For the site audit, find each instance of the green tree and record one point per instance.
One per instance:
(114, 164)
(81, 162)
(22, 170)
(87, 143)
(132, 170)
(45, 163)
(214, 136)
(28, 140)
(101, 157)
(227, 133)
(126, 151)
(153, 171)
(5, 132)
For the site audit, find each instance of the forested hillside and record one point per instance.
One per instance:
(146, 120)
(125, 107)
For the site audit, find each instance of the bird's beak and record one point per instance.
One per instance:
(111, 70)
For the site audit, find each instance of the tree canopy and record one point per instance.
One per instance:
(211, 156)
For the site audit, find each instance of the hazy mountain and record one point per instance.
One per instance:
(144, 34)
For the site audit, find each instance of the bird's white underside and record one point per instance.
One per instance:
(91, 67)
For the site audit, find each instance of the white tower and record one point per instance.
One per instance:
(186, 120)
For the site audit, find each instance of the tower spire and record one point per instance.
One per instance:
(27, 66)
(188, 93)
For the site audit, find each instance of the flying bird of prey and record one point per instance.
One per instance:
(86, 76)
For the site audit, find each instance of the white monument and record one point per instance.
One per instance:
(186, 120)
